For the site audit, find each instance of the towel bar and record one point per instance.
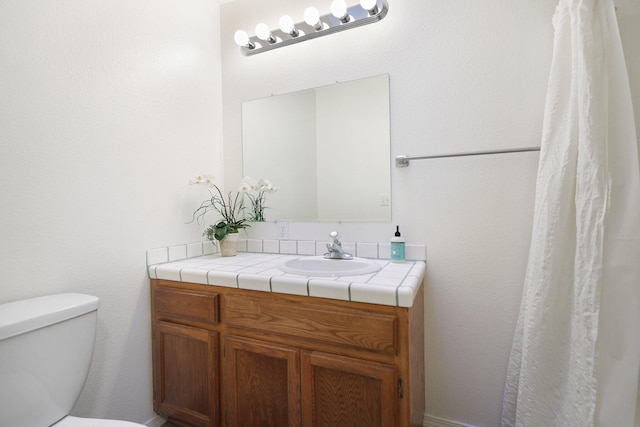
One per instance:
(403, 161)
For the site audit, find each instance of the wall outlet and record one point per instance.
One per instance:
(283, 230)
(384, 200)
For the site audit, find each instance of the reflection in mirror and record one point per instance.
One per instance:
(327, 150)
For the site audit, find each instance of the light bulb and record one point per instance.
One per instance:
(242, 39)
(370, 5)
(312, 17)
(287, 26)
(339, 10)
(264, 33)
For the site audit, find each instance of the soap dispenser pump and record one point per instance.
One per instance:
(397, 246)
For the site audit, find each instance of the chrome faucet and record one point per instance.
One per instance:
(335, 248)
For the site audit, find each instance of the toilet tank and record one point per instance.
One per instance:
(46, 345)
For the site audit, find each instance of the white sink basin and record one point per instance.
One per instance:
(320, 266)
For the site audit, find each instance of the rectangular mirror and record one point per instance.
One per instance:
(326, 150)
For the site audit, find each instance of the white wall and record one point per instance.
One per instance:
(106, 110)
(628, 19)
(463, 77)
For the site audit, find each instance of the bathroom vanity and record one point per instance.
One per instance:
(229, 352)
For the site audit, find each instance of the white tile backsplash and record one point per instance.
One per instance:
(288, 247)
(313, 247)
(321, 248)
(384, 250)
(177, 252)
(306, 247)
(157, 256)
(194, 250)
(367, 250)
(349, 247)
(415, 252)
(254, 245)
(271, 246)
(209, 248)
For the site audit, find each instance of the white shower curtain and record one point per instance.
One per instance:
(575, 358)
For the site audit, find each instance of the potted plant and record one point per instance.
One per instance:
(231, 209)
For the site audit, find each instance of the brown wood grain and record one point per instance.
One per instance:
(262, 383)
(283, 360)
(186, 373)
(342, 391)
(339, 326)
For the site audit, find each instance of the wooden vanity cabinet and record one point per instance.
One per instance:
(232, 357)
(186, 355)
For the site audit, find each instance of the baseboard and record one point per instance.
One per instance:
(430, 421)
(156, 421)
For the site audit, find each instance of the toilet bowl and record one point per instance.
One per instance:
(46, 346)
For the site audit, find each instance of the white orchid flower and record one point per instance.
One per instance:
(207, 180)
(244, 187)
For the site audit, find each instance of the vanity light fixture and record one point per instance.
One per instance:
(340, 18)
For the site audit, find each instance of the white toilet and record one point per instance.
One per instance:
(46, 345)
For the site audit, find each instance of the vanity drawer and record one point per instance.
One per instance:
(186, 304)
(315, 322)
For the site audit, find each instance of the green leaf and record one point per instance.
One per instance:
(221, 230)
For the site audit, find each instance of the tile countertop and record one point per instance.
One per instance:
(255, 267)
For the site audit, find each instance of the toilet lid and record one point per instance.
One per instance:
(70, 421)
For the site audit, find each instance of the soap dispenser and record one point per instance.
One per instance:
(397, 246)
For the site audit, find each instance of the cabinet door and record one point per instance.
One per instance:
(342, 391)
(262, 384)
(185, 374)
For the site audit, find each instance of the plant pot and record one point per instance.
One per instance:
(229, 245)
